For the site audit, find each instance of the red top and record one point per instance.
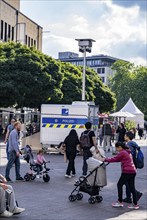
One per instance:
(125, 157)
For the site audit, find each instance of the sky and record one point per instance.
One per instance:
(119, 27)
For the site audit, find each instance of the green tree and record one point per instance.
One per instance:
(129, 81)
(95, 90)
(28, 77)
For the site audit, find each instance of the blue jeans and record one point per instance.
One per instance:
(13, 159)
(7, 148)
(86, 155)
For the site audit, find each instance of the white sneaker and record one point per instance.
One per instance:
(132, 206)
(73, 175)
(6, 214)
(117, 204)
(18, 210)
(37, 176)
(68, 176)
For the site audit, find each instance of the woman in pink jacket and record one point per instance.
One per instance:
(128, 173)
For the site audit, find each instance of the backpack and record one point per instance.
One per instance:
(139, 161)
(85, 140)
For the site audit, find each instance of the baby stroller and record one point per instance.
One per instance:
(92, 183)
(31, 175)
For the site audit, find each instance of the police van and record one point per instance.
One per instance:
(58, 120)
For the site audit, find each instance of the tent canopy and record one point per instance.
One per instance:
(131, 107)
(122, 115)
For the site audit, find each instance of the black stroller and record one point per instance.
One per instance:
(31, 175)
(92, 183)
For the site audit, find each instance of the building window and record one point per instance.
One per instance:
(9, 32)
(97, 62)
(5, 36)
(2, 29)
(31, 42)
(89, 63)
(103, 79)
(26, 39)
(99, 70)
(34, 43)
(103, 70)
(12, 37)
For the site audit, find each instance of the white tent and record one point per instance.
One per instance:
(132, 108)
(122, 114)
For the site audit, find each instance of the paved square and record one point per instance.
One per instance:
(49, 201)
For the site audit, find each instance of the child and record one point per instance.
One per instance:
(39, 162)
(128, 173)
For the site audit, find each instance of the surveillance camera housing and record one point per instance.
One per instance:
(85, 44)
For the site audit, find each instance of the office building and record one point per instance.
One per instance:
(100, 63)
(17, 27)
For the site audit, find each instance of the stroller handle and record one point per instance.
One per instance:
(46, 162)
(106, 164)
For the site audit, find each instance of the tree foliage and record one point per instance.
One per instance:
(29, 78)
(129, 81)
(130, 125)
(95, 90)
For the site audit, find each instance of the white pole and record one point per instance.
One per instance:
(84, 73)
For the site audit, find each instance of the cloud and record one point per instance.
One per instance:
(128, 3)
(118, 31)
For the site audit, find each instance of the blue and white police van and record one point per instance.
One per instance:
(58, 120)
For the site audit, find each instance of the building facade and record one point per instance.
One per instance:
(100, 63)
(17, 27)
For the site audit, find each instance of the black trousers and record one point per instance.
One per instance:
(86, 155)
(130, 179)
(71, 163)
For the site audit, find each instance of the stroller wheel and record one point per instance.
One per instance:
(27, 177)
(72, 198)
(46, 178)
(79, 196)
(99, 198)
(91, 200)
(33, 177)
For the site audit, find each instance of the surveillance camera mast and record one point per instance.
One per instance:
(85, 45)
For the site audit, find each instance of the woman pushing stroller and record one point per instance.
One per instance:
(128, 174)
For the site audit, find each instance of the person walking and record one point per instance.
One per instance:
(133, 147)
(8, 131)
(100, 134)
(121, 132)
(87, 140)
(14, 152)
(71, 142)
(140, 133)
(7, 194)
(107, 133)
(128, 174)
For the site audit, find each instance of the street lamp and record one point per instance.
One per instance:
(85, 45)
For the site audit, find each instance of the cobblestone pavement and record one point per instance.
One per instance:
(49, 201)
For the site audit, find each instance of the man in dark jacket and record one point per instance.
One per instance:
(86, 149)
(107, 133)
